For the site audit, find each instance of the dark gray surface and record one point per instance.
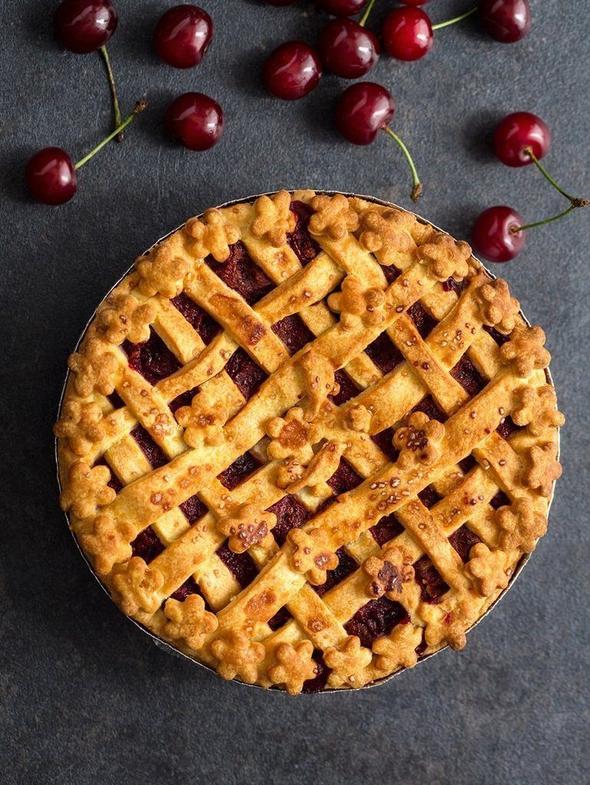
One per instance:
(86, 698)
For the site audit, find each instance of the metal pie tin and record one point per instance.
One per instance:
(169, 648)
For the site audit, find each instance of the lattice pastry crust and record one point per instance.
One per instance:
(308, 441)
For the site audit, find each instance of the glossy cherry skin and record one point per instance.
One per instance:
(505, 20)
(84, 25)
(195, 120)
(341, 7)
(291, 71)
(347, 49)
(407, 33)
(51, 177)
(518, 133)
(182, 36)
(362, 110)
(491, 236)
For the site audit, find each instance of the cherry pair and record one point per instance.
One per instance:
(499, 232)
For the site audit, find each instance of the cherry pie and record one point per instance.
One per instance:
(308, 441)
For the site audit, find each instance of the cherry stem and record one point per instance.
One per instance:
(416, 184)
(116, 110)
(575, 204)
(137, 109)
(366, 12)
(455, 19)
(548, 177)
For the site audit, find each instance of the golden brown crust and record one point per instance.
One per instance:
(305, 443)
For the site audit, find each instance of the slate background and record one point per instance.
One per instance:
(85, 697)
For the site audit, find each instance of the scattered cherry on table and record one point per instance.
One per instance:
(348, 49)
(291, 71)
(494, 235)
(507, 21)
(183, 35)
(364, 109)
(518, 135)
(196, 120)
(84, 26)
(407, 33)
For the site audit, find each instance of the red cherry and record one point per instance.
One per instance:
(505, 20)
(348, 49)
(517, 133)
(363, 109)
(84, 25)
(51, 176)
(291, 71)
(407, 33)
(492, 236)
(341, 7)
(182, 36)
(195, 120)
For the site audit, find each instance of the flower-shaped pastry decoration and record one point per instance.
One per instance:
(237, 656)
(536, 407)
(291, 437)
(445, 257)
(189, 621)
(333, 217)
(124, 317)
(520, 526)
(162, 271)
(355, 303)
(543, 468)
(525, 351)
(106, 542)
(81, 426)
(487, 569)
(358, 418)
(419, 440)
(387, 234)
(274, 218)
(246, 526)
(348, 661)
(202, 420)
(309, 555)
(86, 489)
(398, 649)
(294, 665)
(318, 381)
(212, 235)
(293, 475)
(449, 623)
(95, 367)
(497, 307)
(136, 585)
(388, 573)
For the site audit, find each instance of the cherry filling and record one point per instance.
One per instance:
(468, 376)
(498, 337)
(147, 545)
(184, 399)
(291, 514)
(376, 618)
(344, 478)
(348, 388)
(499, 500)
(391, 272)
(346, 566)
(432, 585)
(240, 273)
(463, 540)
(467, 464)
(241, 565)
(114, 482)
(293, 332)
(149, 447)
(186, 589)
(423, 321)
(237, 472)
(386, 529)
(318, 683)
(116, 400)
(507, 427)
(384, 353)
(204, 324)
(280, 618)
(429, 407)
(193, 509)
(451, 285)
(384, 440)
(299, 239)
(245, 373)
(429, 497)
(152, 359)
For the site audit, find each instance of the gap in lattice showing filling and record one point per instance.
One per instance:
(152, 359)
